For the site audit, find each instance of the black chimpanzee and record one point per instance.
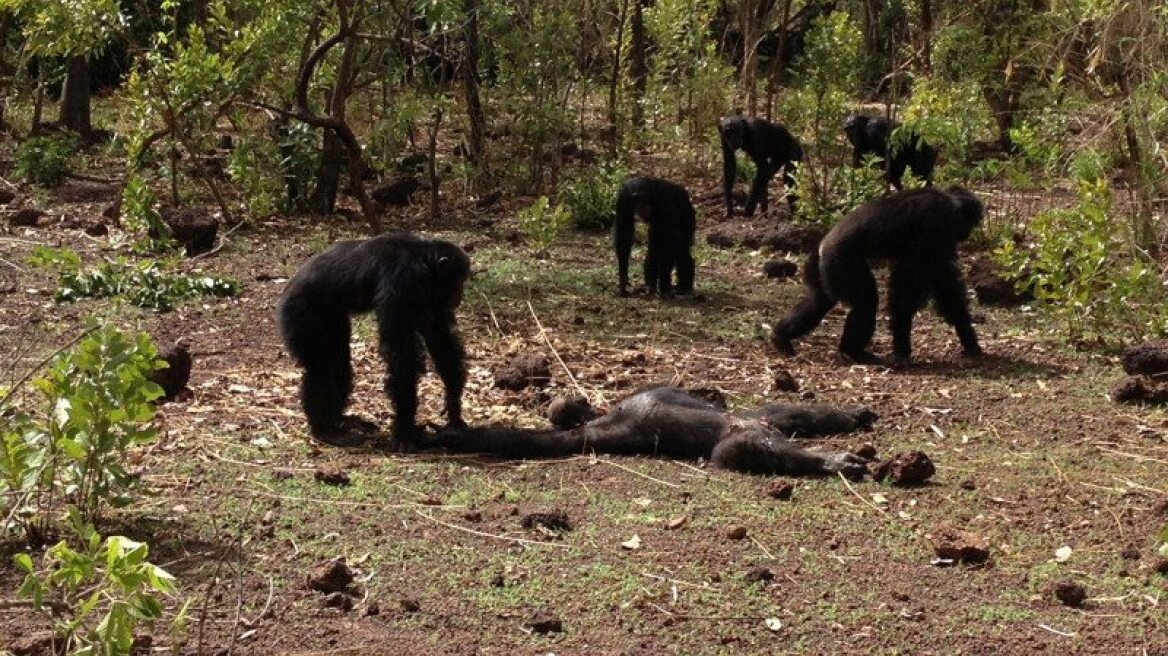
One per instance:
(869, 136)
(413, 285)
(770, 146)
(666, 208)
(917, 231)
(667, 421)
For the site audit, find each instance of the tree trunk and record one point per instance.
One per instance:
(638, 67)
(614, 84)
(927, 36)
(434, 206)
(328, 175)
(779, 61)
(75, 99)
(471, 84)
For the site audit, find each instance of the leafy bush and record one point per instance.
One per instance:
(145, 284)
(98, 406)
(825, 200)
(99, 594)
(591, 198)
(541, 225)
(254, 167)
(140, 213)
(1083, 272)
(45, 160)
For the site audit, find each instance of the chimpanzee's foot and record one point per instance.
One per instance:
(862, 357)
(782, 344)
(850, 465)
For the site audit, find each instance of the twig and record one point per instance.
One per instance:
(487, 535)
(851, 489)
(543, 334)
(637, 473)
(267, 605)
(491, 310)
(765, 551)
(1056, 631)
(1134, 456)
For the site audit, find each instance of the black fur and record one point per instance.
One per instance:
(414, 285)
(869, 136)
(917, 232)
(666, 421)
(666, 208)
(771, 146)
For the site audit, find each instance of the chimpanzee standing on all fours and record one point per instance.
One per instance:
(672, 222)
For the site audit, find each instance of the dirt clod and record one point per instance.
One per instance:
(780, 269)
(968, 485)
(36, 644)
(1139, 389)
(676, 523)
(473, 516)
(525, 370)
(992, 288)
(331, 475)
(553, 520)
(544, 622)
(338, 600)
(7, 196)
(1070, 593)
(1161, 566)
(330, 576)
(173, 379)
(1148, 358)
(867, 451)
(373, 610)
(1130, 552)
(905, 469)
(568, 412)
(737, 532)
(410, 605)
(780, 489)
(82, 191)
(759, 575)
(785, 382)
(782, 237)
(25, 218)
(193, 227)
(959, 546)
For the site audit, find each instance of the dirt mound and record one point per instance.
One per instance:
(1070, 593)
(1149, 358)
(783, 237)
(1139, 389)
(781, 490)
(193, 227)
(552, 520)
(331, 475)
(331, 576)
(780, 269)
(953, 544)
(81, 191)
(905, 469)
(525, 370)
(174, 378)
(785, 382)
(992, 288)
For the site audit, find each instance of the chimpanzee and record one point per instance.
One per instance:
(869, 136)
(413, 285)
(666, 207)
(669, 422)
(770, 145)
(917, 231)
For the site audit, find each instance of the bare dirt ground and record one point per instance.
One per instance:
(1031, 457)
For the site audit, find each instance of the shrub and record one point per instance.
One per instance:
(45, 160)
(591, 198)
(541, 225)
(824, 200)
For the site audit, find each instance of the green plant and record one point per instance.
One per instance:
(45, 160)
(591, 198)
(541, 225)
(140, 213)
(98, 406)
(1083, 272)
(145, 284)
(98, 594)
(825, 199)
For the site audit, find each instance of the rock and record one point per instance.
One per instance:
(1149, 358)
(524, 370)
(544, 622)
(174, 378)
(396, 191)
(25, 218)
(568, 412)
(991, 288)
(959, 546)
(909, 468)
(737, 532)
(676, 523)
(7, 196)
(759, 575)
(780, 269)
(867, 451)
(553, 520)
(331, 475)
(1139, 389)
(330, 576)
(785, 382)
(781, 490)
(338, 600)
(193, 227)
(1070, 593)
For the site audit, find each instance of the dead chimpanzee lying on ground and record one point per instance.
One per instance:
(669, 422)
